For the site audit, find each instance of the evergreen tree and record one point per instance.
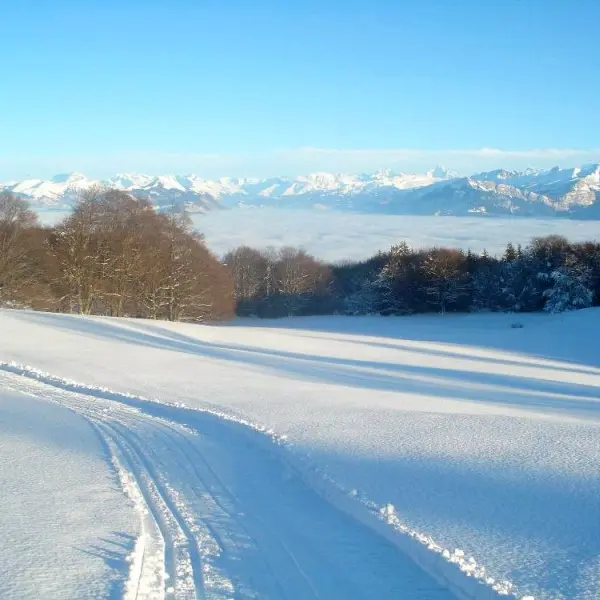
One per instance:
(446, 279)
(486, 284)
(519, 251)
(510, 253)
(570, 290)
(394, 283)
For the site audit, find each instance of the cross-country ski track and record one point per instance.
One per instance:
(223, 514)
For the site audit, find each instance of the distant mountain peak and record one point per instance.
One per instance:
(440, 172)
(68, 177)
(532, 192)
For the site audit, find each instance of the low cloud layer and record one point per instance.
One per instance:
(338, 236)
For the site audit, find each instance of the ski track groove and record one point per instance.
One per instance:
(198, 485)
(151, 504)
(218, 489)
(215, 497)
(151, 532)
(181, 543)
(156, 500)
(232, 514)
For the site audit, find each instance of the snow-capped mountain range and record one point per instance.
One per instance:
(572, 192)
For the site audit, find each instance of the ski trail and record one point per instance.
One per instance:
(225, 500)
(222, 516)
(181, 579)
(166, 562)
(146, 579)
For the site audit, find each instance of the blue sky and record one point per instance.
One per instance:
(261, 88)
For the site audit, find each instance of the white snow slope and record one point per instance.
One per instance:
(325, 457)
(65, 528)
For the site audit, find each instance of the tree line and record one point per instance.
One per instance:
(548, 274)
(116, 255)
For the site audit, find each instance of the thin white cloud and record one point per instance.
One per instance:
(295, 161)
(412, 152)
(465, 161)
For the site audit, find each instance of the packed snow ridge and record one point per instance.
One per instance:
(570, 192)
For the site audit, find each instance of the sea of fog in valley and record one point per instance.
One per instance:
(337, 236)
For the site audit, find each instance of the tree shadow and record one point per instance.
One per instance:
(549, 521)
(113, 552)
(566, 337)
(563, 390)
(517, 510)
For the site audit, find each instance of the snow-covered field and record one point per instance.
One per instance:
(329, 454)
(65, 528)
(335, 236)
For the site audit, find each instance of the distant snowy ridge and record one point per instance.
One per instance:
(204, 194)
(571, 192)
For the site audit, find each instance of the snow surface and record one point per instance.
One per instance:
(336, 236)
(471, 446)
(66, 529)
(208, 532)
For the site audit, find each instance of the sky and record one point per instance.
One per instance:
(259, 88)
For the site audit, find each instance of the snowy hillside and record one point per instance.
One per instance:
(61, 191)
(575, 187)
(564, 192)
(319, 457)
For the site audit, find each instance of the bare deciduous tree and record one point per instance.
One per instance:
(250, 271)
(298, 277)
(118, 257)
(17, 269)
(81, 253)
